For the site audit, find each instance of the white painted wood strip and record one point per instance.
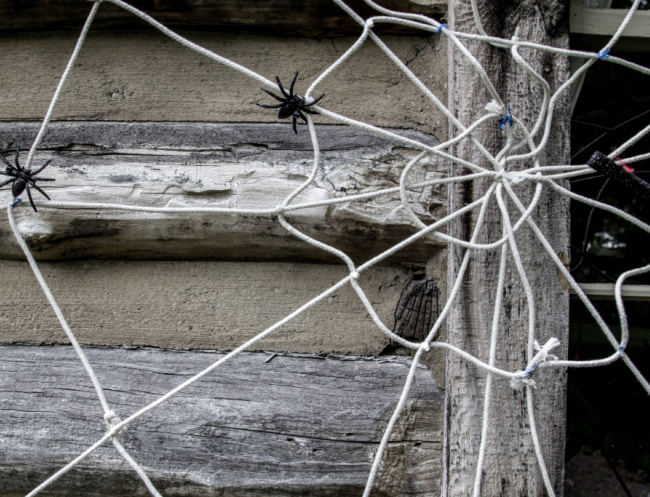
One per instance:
(605, 291)
(607, 21)
(290, 425)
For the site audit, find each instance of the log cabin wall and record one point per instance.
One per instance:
(145, 121)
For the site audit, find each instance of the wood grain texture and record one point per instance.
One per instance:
(198, 305)
(311, 18)
(142, 75)
(511, 467)
(294, 425)
(216, 165)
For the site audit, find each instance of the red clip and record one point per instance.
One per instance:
(620, 162)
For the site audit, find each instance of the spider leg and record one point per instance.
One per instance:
(308, 111)
(313, 101)
(6, 182)
(41, 168)
(293, 82)
(40, 190)
(295, 130)
(299, 114)
(270, 106)
(273, 94)
(284, 92)
(31, 200)
(9, 164)
(18, 163)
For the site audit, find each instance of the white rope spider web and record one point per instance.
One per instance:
(531, 143)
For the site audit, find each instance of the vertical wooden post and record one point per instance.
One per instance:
(510, 468)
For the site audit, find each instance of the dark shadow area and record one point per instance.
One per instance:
(608, 434)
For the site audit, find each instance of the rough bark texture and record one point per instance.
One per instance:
(510, 468)
(216, 165)
(291, 425)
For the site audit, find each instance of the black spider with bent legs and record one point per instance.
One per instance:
(292, 103)
(23, 179)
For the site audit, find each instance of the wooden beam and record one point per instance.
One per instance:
(605, 291)
(215, 165)
(262, 424)
(313, 18)
(510, 466)
(607, 21)
(200, 305)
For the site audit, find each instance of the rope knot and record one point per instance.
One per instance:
(542, 355)
(442, 26)
(518, 382)
(507, 119)
(112, 420)
(279, 210)
(354, 275)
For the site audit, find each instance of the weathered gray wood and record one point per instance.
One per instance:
(215, 165)
(307, 18)
(511, 467)
(292, 425)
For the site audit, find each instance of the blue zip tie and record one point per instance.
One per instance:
(506, 120)
(604, 54)
(17, 201)
(442, 26)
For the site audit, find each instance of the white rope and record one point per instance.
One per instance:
(62, 81)
(108, 412)
(522, 147)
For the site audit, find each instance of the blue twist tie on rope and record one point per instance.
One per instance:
(442, 26)
(604, 54)
(528, 372)
(506, 120)
(17, 201)
(621, 349)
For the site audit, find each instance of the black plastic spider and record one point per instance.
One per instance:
(292, 103)
(23, 178)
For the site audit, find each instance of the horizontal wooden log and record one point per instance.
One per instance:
(306, 18)
(141, 75)
(216, 165)
(199, 305)
(259, 425)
